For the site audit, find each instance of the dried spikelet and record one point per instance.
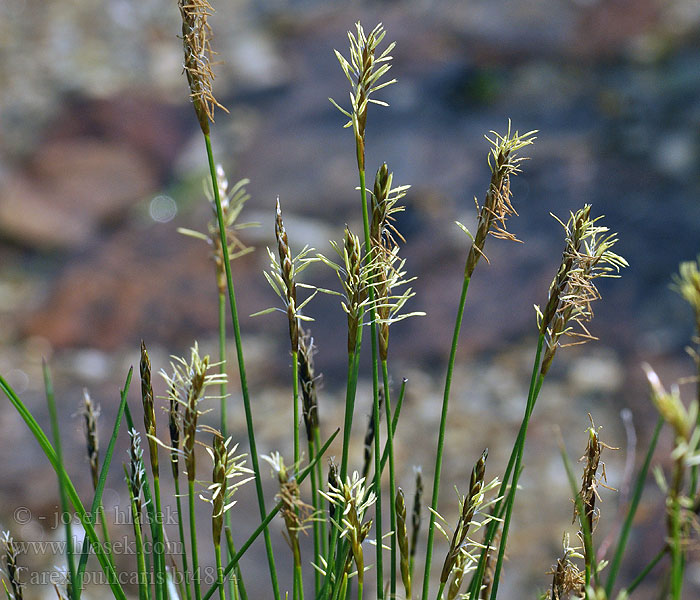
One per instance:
(468, 508)
(149, 412)
(12, 568)
(567, 578)
(416, 512)
(333, 483)
(307, 381)
(370, 433)
(196, 40)
(187, 386)
(504, 162)
(590, 479)
(90, 414)
(232, 201)
(402, 538)
(364, 71)
(282, 279)
(227, 470)
(587, 256)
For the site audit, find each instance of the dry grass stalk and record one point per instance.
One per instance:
(90, 413)
(307, 381)
(196, 40)
(587, 256)
(567, 578)
(590, 478)
(504, 162)
(12, 569)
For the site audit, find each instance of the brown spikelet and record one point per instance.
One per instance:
(174, 429)
(355, 286)
(149, 413)
(196, 40)
(307, 381)
(287, 273)
(416, 512)
(369, 435)
(90, 414)
(459, 537)
(218, 478)
(402, 538)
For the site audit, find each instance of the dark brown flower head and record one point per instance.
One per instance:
(307, 381)
(196, 40)
(149, 412)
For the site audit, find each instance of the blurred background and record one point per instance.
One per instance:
(102, 160)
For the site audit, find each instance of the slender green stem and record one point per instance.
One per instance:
(51, 401)
(159, 550)
(223, 400)
(219, 572)
(196, 575)
(86, 518)
(677, 558)
(323, 534)
(441, 437)
(350, 394)
(392, 475)
(318, 516)
(535, 384)
(241, 369)
(297, 417)
(183, 544)
(268, 518)
(634, 504)
(645, 571)
(239, 590)
(375, 391)
(441, 589)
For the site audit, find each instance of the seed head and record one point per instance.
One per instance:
(587, 256)
(307, 380)
(13, 569)
(504, 162)
(90, 414)
(149, 413)
(196, 40)
(364, 71)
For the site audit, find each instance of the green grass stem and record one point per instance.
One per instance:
(241, 369)
(645, 571)
(65, 513)
(144, 590)
(441, 437)
(196, 575)
(86, 519)
(631, 511)
(392, 476)
(239, 591)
